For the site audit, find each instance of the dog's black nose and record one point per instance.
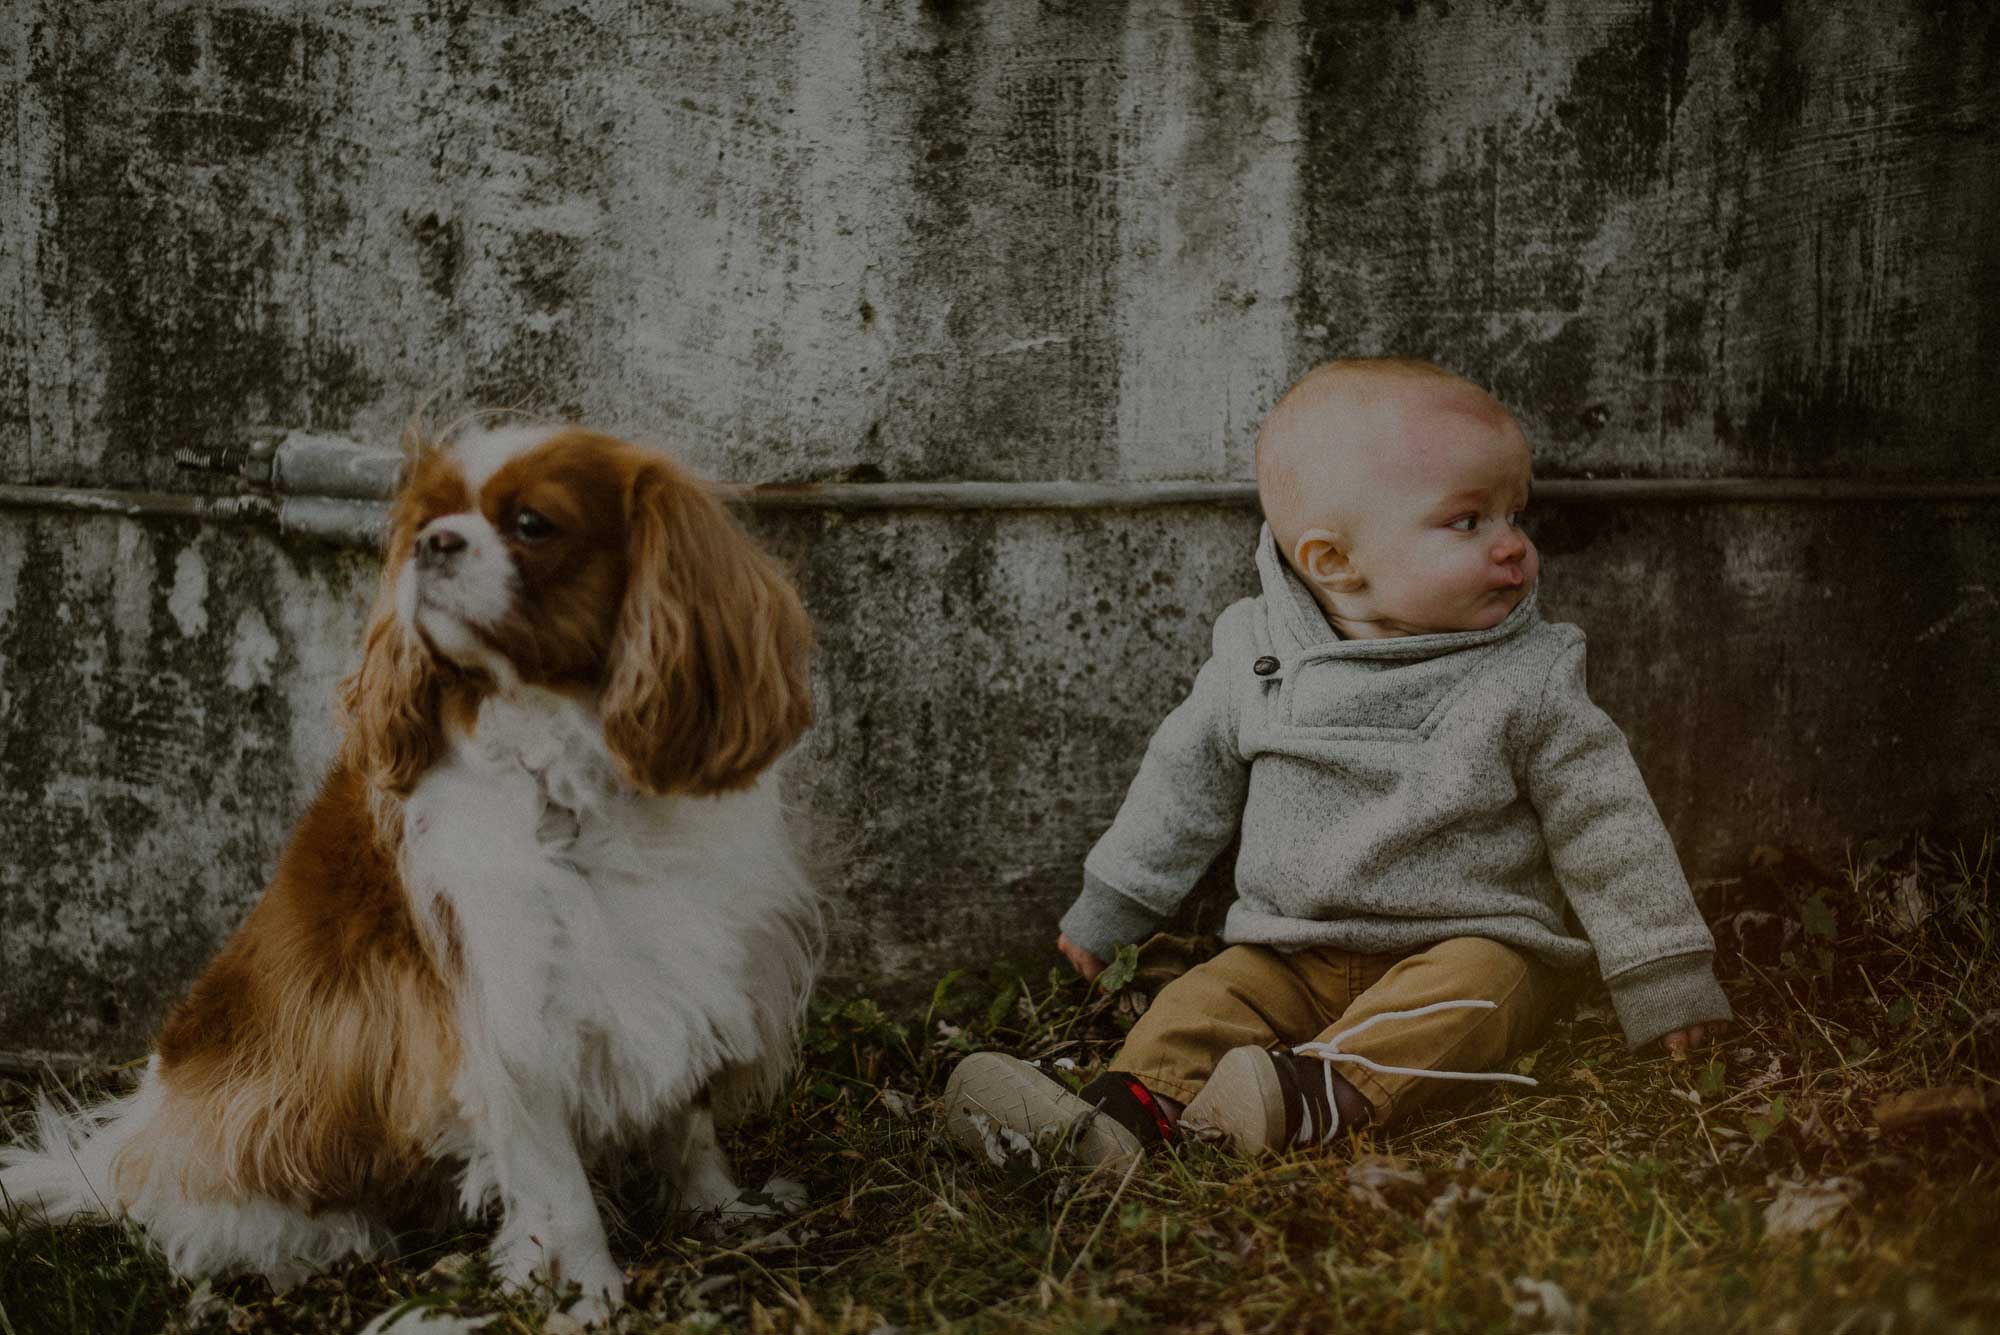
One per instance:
(438, 547)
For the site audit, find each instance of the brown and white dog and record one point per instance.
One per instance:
(545, 906)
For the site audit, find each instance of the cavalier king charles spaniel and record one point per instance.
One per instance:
(545, 908)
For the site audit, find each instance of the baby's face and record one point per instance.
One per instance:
(1433, 518)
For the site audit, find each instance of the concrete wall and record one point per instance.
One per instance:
(899, 240)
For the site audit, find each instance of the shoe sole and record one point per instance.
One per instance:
(1244, 1101)
(1006, 1092)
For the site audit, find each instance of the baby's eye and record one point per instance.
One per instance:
(1516, 518)
(1464, 523)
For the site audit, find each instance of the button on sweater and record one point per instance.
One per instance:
(1392, 793)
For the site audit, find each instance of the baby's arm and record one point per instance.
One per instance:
(1616, 865)
(1180, 811)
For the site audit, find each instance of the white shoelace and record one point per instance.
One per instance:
(1328, 1051)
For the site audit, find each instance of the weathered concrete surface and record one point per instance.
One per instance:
(827, 240)
(936, 239)
(909, 240)
(987, 684)
(1684, 238)
(166, 710)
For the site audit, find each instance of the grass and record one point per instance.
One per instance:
(1628, 1194)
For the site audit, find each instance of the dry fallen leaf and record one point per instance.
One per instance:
(1453, 1201)
(1583, 1075)
(1807, 1207)
(1770, 1075)
(1544, 1303)
(1375, 1177)
(1908, 906)
(1917, 1107)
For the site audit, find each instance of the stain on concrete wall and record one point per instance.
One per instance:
(166, 710)
(1791, 675)
(895, 240)
(1685, 239)
(987, 684)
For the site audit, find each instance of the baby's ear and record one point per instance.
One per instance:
(1321, 557)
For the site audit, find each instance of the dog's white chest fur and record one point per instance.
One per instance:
(618, 950)
(630, 967)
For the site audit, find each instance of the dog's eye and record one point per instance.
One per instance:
(532, 525)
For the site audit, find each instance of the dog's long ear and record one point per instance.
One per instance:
(391, 704)
(707, 683)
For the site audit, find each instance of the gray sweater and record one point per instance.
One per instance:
(1396, 792)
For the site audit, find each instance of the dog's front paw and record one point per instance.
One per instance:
(603, 1285)
(526, 1264)
(515, 1260)
(596, 1306)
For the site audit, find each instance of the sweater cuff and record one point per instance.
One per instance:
(1666, 995)
(1103, 919)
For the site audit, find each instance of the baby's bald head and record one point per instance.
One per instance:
(1347, 425)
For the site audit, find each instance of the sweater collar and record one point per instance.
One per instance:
(1298, 625)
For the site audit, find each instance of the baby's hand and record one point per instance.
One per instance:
(1080, 959)
(1681, 1041)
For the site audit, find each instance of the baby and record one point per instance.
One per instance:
(1425, 795)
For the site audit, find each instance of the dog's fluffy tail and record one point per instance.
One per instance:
(65, 1172)
(62, 1172)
